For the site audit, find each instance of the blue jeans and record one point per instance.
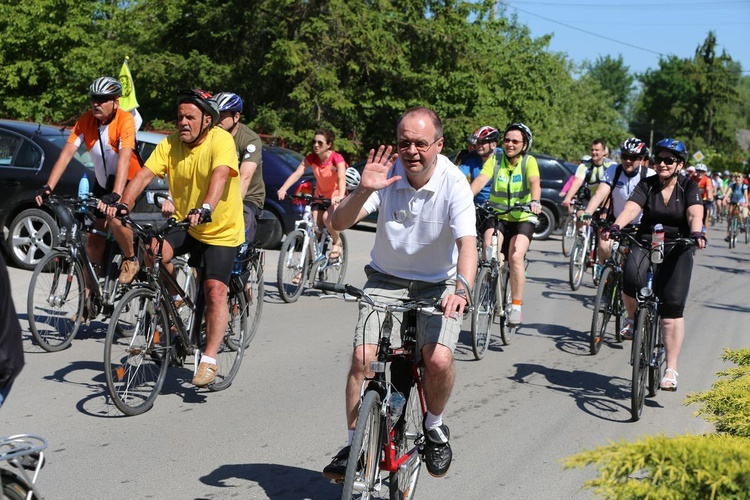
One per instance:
(4, 393)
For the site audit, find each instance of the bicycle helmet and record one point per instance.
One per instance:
(352, 179)
(585, 158)
(674, 146)
(105, 86)
(471, 139)
(486, 134)
(528, 139)
(228, 101)
(634, 147)
(204, 100)
(700, 167)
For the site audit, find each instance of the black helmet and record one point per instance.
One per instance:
(486, 134)
(203, 100)
(634, 147)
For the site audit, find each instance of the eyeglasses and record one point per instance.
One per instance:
(101, 99)
(628, 157)
(668, 161)
(318, 143)
(515, 142)
(421, 146)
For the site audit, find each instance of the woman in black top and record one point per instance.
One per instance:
(674, 202)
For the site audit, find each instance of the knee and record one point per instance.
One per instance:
(215, 292)
(361, 359)
(437, 358)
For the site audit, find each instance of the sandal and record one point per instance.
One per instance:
(627, 330)
(335, 252)
(669, 380)
(296, 280)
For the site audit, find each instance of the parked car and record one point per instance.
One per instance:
(278, 216)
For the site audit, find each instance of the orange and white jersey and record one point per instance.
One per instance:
(116, 135)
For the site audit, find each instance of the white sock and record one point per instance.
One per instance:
(206, 359)
(432, 421)
(351, 435)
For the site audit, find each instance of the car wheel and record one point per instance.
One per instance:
(546, 224)
(31, 236)
(270, 230)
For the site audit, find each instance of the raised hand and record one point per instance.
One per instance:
(379, 165)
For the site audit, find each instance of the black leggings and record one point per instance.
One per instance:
(672, 282)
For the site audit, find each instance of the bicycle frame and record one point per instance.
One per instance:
(12, 449)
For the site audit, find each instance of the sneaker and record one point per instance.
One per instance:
(337, 468)
(205, 375)
(128, 270)
(437, 451)
(514, 318)
(627, 330)
(84, 316)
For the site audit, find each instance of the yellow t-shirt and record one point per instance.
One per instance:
(189, 172)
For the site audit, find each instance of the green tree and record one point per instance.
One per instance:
(615, 78)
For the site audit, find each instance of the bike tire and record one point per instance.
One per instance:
(640, 361)
(55, 301)
(747, 231)
(14, 488)
(363, 466)
(135, 366)
(484, 311)
(232, 347)
(577, 264)
(254, 297)
(603, 307)
(658, 356)
(409, 432)
(568, 235)
(507, 330)
(334, 270)
(292, 262)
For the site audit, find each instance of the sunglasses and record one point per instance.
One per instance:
(668, 161)
(101, 99)
(318, 143)
(630, 157)
(515, 142)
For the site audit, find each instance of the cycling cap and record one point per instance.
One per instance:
(525, 131)
(673, 146)
(700, 167)
(202, 99)
(229, 102)
(105, 86)
(486, 134)
(634, 146)
(352, 179)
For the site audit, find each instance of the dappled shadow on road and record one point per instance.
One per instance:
(278, 482)
(572, 341)
(728, 307)
(602, 396)
(730, 270)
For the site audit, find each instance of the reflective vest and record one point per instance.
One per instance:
(510, 187)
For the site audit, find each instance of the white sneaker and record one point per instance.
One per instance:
(514, 318)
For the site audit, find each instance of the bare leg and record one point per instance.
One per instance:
(359, 368)
(123, 236)
(439, 376)
(327, 221)
(217, 314)
(519, 245)
(674, 333)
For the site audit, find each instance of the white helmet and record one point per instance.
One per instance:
(352, 179)
(700, 167)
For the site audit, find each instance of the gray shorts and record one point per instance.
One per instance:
(387, 288)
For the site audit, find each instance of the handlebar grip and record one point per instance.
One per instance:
(330, 287)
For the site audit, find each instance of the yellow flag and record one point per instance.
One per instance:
(128, 100)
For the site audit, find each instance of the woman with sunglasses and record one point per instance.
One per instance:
(329, 168)
(674, 201)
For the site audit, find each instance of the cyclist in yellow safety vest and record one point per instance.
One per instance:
(515, 180)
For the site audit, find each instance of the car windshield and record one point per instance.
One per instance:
(59, 140)
(291, 158)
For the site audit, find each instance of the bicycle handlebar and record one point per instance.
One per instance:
(309, 199)
(488, 209)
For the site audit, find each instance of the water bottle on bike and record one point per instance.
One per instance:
(657, 244)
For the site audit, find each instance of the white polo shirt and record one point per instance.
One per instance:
(625, 187)
(418, 228)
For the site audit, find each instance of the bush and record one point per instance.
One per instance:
(689, 466)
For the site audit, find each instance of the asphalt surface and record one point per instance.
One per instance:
(513, 415)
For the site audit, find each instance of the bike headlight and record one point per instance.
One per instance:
(646, 292)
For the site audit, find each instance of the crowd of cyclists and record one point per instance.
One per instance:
(427, 233)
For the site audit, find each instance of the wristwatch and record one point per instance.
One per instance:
(206, 206)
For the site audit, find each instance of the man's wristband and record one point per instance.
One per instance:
(460, 292)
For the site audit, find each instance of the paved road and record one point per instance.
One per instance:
(513, 415)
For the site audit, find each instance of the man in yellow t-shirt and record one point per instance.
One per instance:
(200, 162)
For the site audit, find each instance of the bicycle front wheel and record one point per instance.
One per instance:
(135, 366)
(55, 301)
(640, 364)
(483, 313)
(577, 264)
(363, 466)
(254, 293)
(13, 488)
(334, 270)
(603, 307)
(293, 266)
(568, 235)
(232, 348)
(403, 483)
(507, 329)
(658, 358)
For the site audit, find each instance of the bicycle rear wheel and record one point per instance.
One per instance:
(577, 264)
(603, 307)
(55, 301)
(13, 488)
(658, 358)
(640, 364)
(254, 293)
(568, 235)
(232, 347)
(334, 270)
(507, 330)
(293, 267)
(135, 366)
(363, 466)
(483, 313)
(403, 483)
